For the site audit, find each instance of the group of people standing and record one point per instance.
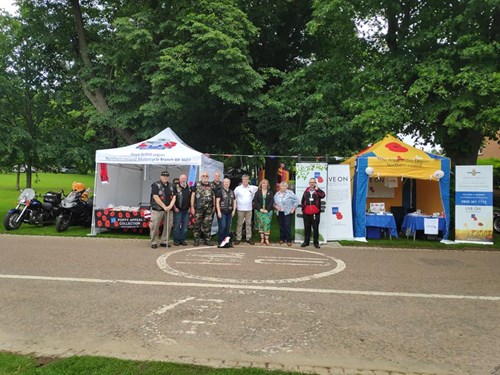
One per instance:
(207, 198)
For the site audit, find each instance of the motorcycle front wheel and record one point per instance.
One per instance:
(496, 224)
(62, 223)
(11, 222)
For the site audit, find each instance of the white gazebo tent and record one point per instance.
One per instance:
(124, 175)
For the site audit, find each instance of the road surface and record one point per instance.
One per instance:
(337, 310)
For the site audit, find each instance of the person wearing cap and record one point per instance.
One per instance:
(202, 208)
(162, 200)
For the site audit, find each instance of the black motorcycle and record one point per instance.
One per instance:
(74, 211)
(31, 211)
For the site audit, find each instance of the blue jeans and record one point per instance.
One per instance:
(180, 225)
(285, 222)
(224, 226)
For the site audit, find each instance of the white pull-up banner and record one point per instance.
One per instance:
(338, 213)
(304, 172)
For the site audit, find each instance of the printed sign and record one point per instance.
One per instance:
(431, 226)
(113, 219)
(379, 188)
(474, 204)
(305, 171)
(377, 207)
(338, 214)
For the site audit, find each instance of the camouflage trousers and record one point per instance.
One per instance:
(203, 222)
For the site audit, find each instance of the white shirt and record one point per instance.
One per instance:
(244, 197)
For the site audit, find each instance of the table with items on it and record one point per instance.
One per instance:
(380, 222)
(417, 221)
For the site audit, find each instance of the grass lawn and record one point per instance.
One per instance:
(44, 182)
(41, 183)
(404, 243)
(13, 364)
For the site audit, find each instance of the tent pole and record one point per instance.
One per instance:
(93, 231)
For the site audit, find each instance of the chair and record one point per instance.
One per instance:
(399, 214)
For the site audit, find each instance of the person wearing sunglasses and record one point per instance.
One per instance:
(162, 200)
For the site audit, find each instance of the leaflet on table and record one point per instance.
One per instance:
(120, 208)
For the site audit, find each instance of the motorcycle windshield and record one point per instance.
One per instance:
(27, 194)
(70, 200)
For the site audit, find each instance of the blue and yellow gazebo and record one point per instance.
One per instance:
(391, 157)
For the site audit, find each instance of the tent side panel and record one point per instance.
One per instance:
(152, 174)
(444, 185)
(359, 197)
(123, 188)
(211, 166)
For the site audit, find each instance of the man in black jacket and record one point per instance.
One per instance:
(162, 201)
(181, 210)
(311, 209)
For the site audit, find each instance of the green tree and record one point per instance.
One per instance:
(307, 111)
(24, 96)
(41, 115)
(281, 53)
(204, 78)
(147, 65)
(432, 69)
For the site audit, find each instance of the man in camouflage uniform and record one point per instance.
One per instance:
(202, 207)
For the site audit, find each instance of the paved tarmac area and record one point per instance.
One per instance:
(336, 310)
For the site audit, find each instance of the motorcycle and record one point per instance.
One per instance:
(496, 221)
(32, 211)
(75, 211)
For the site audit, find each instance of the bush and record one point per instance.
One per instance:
(496, 169)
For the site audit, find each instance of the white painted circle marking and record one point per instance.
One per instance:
(165, 267)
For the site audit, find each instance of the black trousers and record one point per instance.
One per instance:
(311, 221)
(285, 223)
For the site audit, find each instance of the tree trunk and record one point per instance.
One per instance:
(96, 96)
(392, 30)
(271, 169)
(18, 178)
(28, 176)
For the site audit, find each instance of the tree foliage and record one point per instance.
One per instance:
(433, 70)
(321, 77)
